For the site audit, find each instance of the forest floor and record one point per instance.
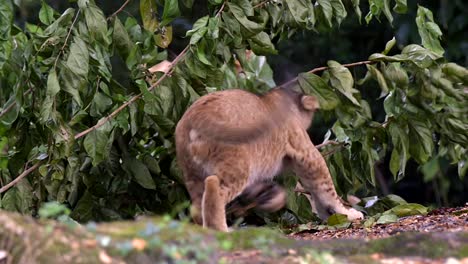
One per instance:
(443, 224)
(441, 236)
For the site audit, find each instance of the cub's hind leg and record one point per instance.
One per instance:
(213, 205)
(220, 189)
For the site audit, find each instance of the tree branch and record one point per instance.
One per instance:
(261, 4)
(66, 38)
(119, 10)
(114, 113)
(319, 69)
(328, 142)
(21, 176)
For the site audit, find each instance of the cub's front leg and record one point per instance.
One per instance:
(314, 175)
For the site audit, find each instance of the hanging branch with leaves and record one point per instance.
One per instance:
(68, 112)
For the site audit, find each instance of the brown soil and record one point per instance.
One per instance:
(439, 220)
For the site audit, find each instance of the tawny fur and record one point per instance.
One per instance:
(229, 140)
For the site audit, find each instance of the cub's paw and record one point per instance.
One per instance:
(354, 214)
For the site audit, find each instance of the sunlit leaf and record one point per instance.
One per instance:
(46, 14)
(387, 219)
(429, 31)
(170, 12)
(96, 23)
(149, 15)
(342, 80)
(409, 209)
(78, 59)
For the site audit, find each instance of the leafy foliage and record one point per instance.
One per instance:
(109, 155)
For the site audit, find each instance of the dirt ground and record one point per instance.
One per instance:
(438, 220)
(443, 222)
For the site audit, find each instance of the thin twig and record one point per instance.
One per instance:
(319, 69)
(221, 9)
(20, 177)
(66, 38)
(333, 151)
(328, 142)
(261, 4)
(119, 10)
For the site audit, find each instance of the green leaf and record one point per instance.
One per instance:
(429, 31)
(378, 76)
(19, 198)
(261, 44)
(422, 57)
(101, 104)
(246, 6)
(140, 173)
(387, 219)
(96, 143)
(327, 10)
(199, 34)
(409, 209)
(6, 19)
(394, 162)
(390, 44)
(121, 39)
(339, 10)
(199, 24)
(420, 136)
(84, 209)
(298, 10)
(149, 15)
(313, 84)
(46, 14)
(401, 149)
(342, 79)
(395, 74)
(170, 12)
(400, 6)
(97, 23)
(250, 28)
(338, 220)
(455, 70)
(78, 59)
(386, 10)
(53, 87)
(72, 83)
(357, 9)
(52, 210)
(57, 27)
(430, 169)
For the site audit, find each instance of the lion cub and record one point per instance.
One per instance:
(229, 140)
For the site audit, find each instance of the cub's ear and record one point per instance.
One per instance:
(310, 102)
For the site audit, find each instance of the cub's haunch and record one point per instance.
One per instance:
(230, 140)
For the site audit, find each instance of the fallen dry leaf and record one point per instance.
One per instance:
(164, 66)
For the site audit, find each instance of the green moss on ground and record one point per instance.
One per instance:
(151, 240)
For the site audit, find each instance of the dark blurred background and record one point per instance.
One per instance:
(437, 183)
